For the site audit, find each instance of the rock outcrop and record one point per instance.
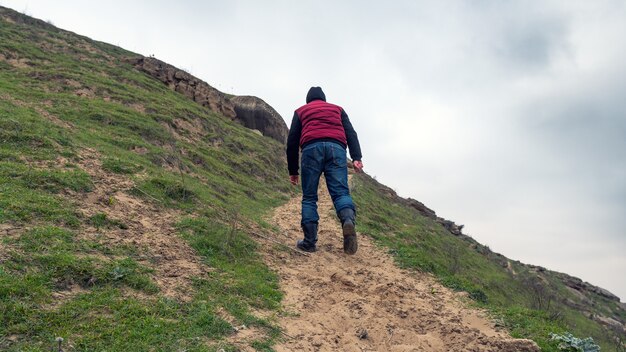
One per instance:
(186, 84)
(449, 225)
(583, 286)
(252, 112)
(255, 113)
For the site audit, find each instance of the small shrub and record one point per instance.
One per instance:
(478, 295)
(101, 220)
(570, 343)
(130, 273)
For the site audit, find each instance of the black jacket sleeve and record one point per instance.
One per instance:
(351, 137)
(293, 145)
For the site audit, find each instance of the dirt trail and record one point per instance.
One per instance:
(336, 302)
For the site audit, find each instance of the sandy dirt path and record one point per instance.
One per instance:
(336, 302)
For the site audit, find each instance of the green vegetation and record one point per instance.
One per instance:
(72, 101)
(527, 304)
(120, 166)
(241, 279)
(28, 194)
(102, 220)
(568, 342)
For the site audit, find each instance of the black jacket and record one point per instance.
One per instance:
(295, 133)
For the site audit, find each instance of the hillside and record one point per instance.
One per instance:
(136, 208)
(531, 301)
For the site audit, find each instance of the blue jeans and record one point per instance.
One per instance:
(328, 158)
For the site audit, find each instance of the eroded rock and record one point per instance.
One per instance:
(256, 114)
(186, 84)
(252, 112)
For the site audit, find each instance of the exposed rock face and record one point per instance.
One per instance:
(251, 112)
(419, 206)
(186, 84)
(449, 225)
(255, 113)
(583, 286)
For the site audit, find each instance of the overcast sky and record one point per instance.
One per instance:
(506, 116)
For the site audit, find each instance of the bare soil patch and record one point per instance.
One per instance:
(85, 92)
(19, 63)
(149, 228)
(138, 107)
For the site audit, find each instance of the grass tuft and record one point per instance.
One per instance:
(101, 220)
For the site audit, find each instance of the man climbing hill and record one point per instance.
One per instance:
(323, 131)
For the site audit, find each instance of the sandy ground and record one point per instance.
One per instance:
(336, 302)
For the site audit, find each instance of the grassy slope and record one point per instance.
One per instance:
(44, 125)
(420, 243)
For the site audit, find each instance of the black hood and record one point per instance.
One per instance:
(315, 93)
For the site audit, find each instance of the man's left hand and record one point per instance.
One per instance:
(294, 179)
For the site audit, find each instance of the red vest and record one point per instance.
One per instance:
(320, 119)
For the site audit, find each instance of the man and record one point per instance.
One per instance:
(323, 131)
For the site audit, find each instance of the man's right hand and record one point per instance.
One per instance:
(358, 165)
(294, 179)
